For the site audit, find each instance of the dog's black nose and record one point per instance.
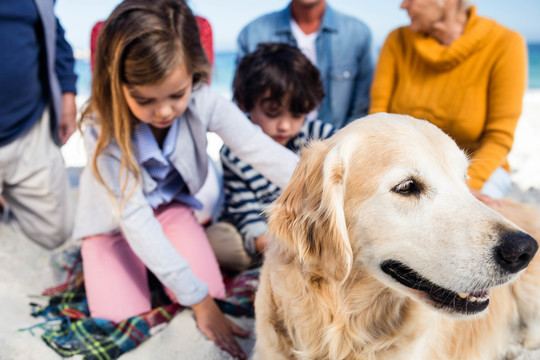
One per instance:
(515, 251)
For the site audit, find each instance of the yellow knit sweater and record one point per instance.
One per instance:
(472, 90)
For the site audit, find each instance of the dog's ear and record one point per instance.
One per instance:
(308, 220)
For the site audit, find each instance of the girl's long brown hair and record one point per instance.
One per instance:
(140, 43)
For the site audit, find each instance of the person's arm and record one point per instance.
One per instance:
(505, 99)
(135, 218)
(384, 77)
(246, 140)
(360, 100)
(218, 328)
(142, 230)
(64, 68)
(242, 205)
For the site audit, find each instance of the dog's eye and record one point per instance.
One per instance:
(408, 187)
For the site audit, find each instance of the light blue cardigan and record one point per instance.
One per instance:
(98, 212)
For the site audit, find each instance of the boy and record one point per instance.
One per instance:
(277, 86)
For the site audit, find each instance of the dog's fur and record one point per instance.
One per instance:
(381, 208)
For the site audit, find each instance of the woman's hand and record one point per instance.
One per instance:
(488, 200)
(452, 25)
(218, 328)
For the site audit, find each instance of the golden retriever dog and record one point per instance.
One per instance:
(378, 250)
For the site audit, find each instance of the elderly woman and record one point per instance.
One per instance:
(465, 74)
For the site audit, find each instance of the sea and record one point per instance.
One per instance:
(224, 66)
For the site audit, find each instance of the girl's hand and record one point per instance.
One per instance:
(218, 328)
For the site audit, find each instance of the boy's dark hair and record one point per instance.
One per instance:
(282, 71)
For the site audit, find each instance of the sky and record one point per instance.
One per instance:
(227, 17)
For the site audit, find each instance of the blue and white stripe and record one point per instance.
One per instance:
(248, 193)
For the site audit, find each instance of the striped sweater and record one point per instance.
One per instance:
(248, 193)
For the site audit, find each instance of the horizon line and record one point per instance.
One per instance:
(84, 53)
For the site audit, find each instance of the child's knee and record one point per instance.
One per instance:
(228, 246)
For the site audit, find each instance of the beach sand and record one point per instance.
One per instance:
(26, 268)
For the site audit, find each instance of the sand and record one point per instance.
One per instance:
(26, 269)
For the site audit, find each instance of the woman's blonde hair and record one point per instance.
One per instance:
(140, 43)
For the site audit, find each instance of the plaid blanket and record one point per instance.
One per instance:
(70, 331)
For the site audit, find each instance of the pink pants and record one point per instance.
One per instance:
(116, 280)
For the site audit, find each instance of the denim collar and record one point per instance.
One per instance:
(329, 22)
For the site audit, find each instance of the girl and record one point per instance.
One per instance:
(145, 132)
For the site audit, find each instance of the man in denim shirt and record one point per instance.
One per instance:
(338, 44)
